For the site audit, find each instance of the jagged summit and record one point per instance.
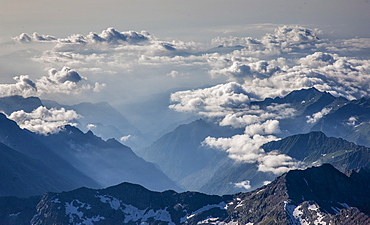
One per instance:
(315, 195)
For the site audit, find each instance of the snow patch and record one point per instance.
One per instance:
(113, 202)
(76, 216)
(134, 214)
(221, 205)
(55, 200)
(73, 211)
(297, 216)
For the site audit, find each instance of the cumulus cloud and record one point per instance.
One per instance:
(244, 184)
(285, 39)
(110, 36)
(130, 54)
(90, 126)
(35, 37)
(247, 149)
(290, 58)
(317, 116)
(214, 101)
(65, 81)
(173, 73)
(23, 86)
(44, 121)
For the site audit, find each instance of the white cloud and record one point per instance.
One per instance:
(244, 184)
(110, 36)
(214, 101)
(65, 81)
(90, 126)
(173, 73)
(352, 121)
(44, 121)
(23, 86)
(290, 58)
(318, 116)
(125, 138)
(247, 149)
(277, 163)
(35, 37)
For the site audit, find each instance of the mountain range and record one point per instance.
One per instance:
(35, 163)
(82, 172)
(216, 173)
(317, 195)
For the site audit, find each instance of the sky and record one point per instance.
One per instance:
(187, 20)
(124, 52)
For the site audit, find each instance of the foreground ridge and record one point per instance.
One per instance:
(315, 195)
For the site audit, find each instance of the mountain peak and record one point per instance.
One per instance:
(326, 186)
(13, 103)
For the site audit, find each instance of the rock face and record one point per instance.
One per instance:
(312, 196)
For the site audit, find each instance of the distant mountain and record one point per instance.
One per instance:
(107, 162)
(181, 155)
(16, 103)
(225, 178)
(210, 171)
(318, 195)
(101, 118)
(26, 143)
(72, 159)
(345, 119)
(104, 120)
(305, 102)
(313, 148)
(317, 148)
(351, 122)
(24, 176)
(153, 116)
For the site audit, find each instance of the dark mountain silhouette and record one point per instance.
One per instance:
(16, 103)
(24, 176)
(28, 143)
(312, 196)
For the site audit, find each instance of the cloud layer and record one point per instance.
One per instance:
(245, 69)
(290, 59)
